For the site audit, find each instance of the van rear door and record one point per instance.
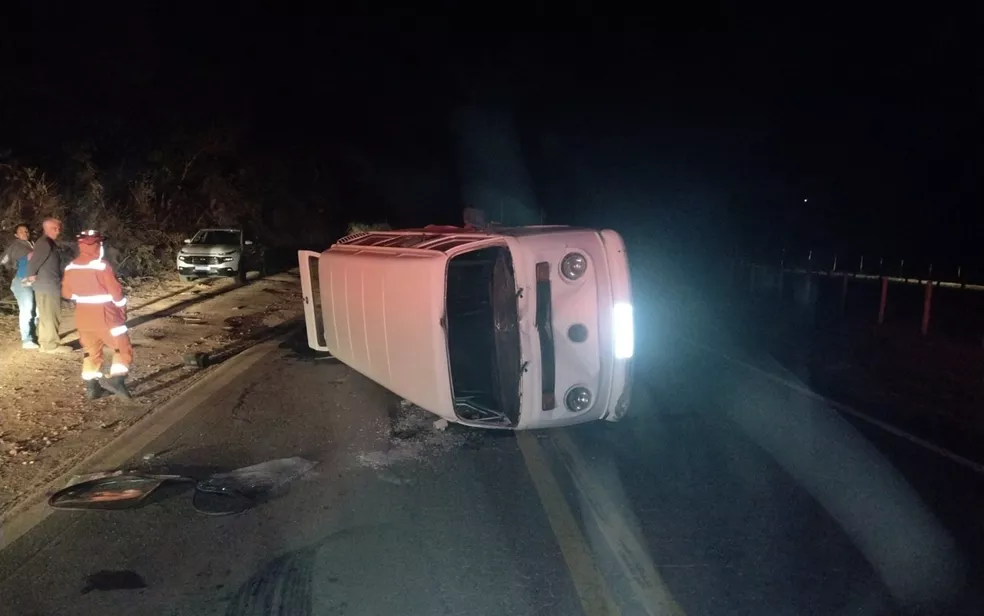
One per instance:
(308, 260)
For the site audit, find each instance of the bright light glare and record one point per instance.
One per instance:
(624, 331)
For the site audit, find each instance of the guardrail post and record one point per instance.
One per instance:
(844, 294)
(927, 307)
(883, 301)
(809, 277)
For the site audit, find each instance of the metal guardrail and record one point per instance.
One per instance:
(757, 277)
(893, 279)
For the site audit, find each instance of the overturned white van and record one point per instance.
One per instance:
(516, 328)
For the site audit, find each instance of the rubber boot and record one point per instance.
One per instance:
(93, 390)
(117, 385)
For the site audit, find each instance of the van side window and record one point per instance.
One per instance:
(369, 239)
(450, 243)
(410, 241)
(433, 241)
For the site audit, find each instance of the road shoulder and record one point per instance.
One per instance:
(47, 427)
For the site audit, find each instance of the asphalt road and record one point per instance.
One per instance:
(725, 493)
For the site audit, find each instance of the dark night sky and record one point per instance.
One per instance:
(716, 116)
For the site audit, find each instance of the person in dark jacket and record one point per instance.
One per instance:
(15, 257)
(44, 274)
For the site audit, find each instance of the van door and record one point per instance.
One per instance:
(307, 260)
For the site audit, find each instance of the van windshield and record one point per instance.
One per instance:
(483, 336)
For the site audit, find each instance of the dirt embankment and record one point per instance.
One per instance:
(46, 425)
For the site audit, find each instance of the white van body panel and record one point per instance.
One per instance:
(382, 317)
(382, 309)
(582, 301)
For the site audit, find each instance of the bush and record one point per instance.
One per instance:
(365, 227)
(145, 213)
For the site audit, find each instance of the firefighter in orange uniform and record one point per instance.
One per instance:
(100, 316)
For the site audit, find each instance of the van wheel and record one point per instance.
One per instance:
(187, 278)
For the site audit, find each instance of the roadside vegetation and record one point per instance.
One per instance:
(146, 210)
(365, 227)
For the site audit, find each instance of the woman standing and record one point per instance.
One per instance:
(15, 257)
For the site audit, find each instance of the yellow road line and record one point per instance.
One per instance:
(630, 552)
(596, 599)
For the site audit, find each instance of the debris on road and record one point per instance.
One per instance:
(218, 494)
(43, 412)
(266, 478)
(113, 580)
(195, 360)
(416, 438)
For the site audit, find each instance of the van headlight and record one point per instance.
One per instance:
(573, 266)
(624, 330)
(578, 399)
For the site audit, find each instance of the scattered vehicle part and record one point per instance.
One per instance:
(195, 360)
(264, 478)
(118, 491)
(218, 494)
(113, 580)
(516, 328)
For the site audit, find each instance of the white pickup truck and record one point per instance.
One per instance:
(218, 252)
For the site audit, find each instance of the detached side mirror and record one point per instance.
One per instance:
(187, 241)
(248, 242)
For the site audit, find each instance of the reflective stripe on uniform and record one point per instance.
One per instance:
(92, 299)
(90, 376)
(119, 330)
(118, 369)
(120, 304)
(98, 264)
